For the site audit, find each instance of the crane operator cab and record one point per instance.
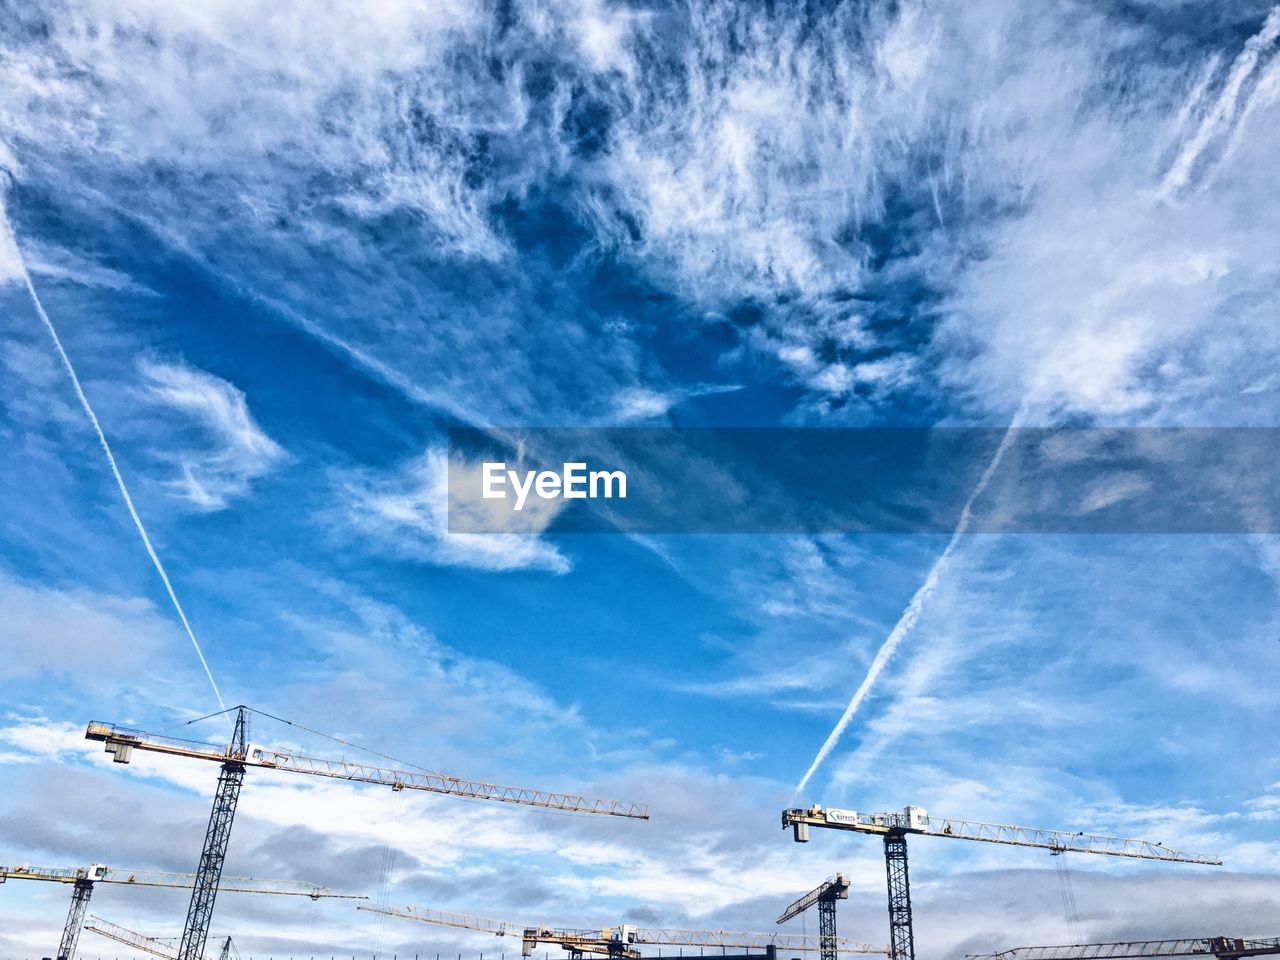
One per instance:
(260, 755)
(917, 819)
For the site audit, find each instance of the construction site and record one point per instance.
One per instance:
(240, 760)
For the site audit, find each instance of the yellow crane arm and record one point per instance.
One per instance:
(748, 940)
(98, 873)
(442, 918)
(121, 742)
(598, 941)
(914, 820)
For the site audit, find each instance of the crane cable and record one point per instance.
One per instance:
(386, 866)
(1067, 890)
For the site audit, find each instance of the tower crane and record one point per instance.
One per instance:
(1222, 948)
(894, 828)
(238, 755)
(82, 881)
(153, 945)
(825, 896)
(622, 941)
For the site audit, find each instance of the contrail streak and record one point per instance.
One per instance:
(1223, 117)
(21, 266)
(907, 621)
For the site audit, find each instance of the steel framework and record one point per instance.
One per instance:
(825, 896)
(1224, 948)
(239, 754)
(621, 940)
(113, 931)
(120, 742)
(1061, 841)
(902, 941)
(204, 891)
(827, 929)
(894, 827)
(82, 880)
(80, 895)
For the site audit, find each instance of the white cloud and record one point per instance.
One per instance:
(10, 256)
(36, 739)
(635, 404)
(1222, 107)
(59, 263)
(409, 515)
(147, 82)
(1265, 807)
(47, 631)
(1105, 295)
(238, 452)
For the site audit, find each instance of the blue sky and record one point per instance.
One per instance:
(284, 260)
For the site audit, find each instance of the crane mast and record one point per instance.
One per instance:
(239, 755)
(894, 828)
(80, 894)
(195, 931)
(825, 896)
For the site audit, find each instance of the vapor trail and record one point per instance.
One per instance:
(1229, 108)
(907, 621)
(21, 266)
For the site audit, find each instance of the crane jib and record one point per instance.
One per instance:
(121, 742)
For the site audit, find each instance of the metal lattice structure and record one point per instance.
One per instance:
(894, 828)
(83, 879)
(621, 941)
(1060, 841)
(239, 754)
(204, 891)
(1224, 948)
(902, 939)
(156, 946)
(824, 896)
(122, 741)
(113, 931)
(80, 894)
(462, 921)
(827, 929)
(98, 873)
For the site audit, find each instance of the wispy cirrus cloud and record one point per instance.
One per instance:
(408, 514)
(638, 404)
(236, 451)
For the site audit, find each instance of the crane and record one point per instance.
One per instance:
(82, 880)
(238, 755)
(1223, 948)
(825, 896)
(153, 945)
(894, 828)
(621, 941)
